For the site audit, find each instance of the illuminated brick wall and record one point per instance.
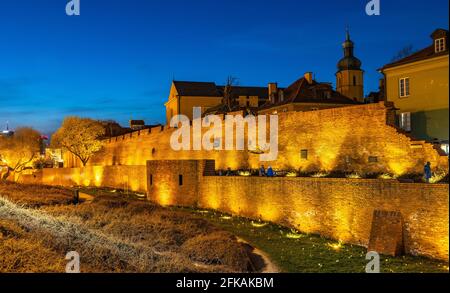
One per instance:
(341, 209)
(131, 178)
(344, 139)
(338, 208)
(174, 182)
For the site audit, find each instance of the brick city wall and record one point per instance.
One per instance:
(335, 139)
(121, 177)
(341, 209)
(174, 182)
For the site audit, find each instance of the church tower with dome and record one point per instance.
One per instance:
(350, 76)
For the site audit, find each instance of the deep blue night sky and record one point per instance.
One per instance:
(117, 60)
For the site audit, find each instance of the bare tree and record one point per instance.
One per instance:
(79, 136)
(405, 52)
(19, 151)
(228, 97)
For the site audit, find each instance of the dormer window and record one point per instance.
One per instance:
(439, 45)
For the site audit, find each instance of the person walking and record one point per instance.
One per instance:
(427, 171)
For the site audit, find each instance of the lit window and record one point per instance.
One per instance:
(439, 45)
(404, 87)
(405, 121)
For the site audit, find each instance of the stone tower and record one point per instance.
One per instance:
(350, 76)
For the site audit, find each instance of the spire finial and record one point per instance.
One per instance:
(347, 33)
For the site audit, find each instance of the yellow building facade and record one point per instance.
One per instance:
(418, 85)
(184, 96)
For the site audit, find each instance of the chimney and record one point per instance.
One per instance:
(273, 92)
(309, 77)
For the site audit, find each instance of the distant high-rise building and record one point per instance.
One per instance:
(6, 131)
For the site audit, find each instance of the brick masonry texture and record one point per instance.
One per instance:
(341, 139)
(122, 177)
(341, 209)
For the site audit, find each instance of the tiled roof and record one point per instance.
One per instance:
(210, 89)
(196, 89)
(303, 92)
(424, 54)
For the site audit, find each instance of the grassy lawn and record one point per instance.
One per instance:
(295, 252)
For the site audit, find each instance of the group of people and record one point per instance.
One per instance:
(271, 173)
(262, 172)
(268, 173)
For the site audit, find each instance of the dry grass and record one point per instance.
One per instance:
(111, 234)
(35, 196)
(22, 254)
(218, 248)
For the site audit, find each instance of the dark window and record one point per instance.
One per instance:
(373, 159)
(180, 180)
(354, 80)
(304, 154)
(151, 179)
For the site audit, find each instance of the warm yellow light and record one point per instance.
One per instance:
(387, 176)
(335, 246)
(259, 224)
(226, 218)
(291, 174)
(293, 236)
(98, 176)
(86, 182)
(320, 174)
(244, 173)
(267, 212)
(353, 176)
(164, 194)
(438, 176)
